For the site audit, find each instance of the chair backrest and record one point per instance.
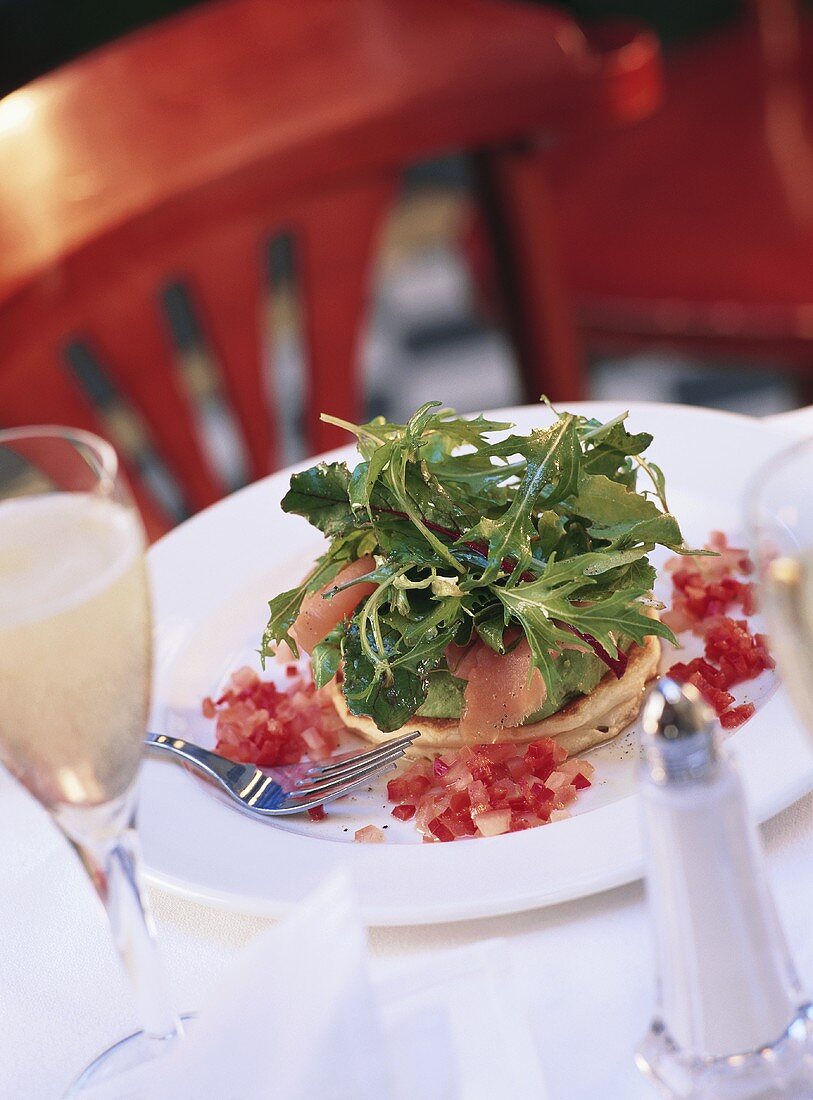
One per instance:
(157, 335)
(140, 185)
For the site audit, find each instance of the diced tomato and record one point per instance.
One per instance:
(732, 656)
(440, 830)
(704, 590)
(564, 796)
(440, 767)
(497, 754)
(738, 654)
(317, 813)
(736, 716)
(543, 757)
(683, 672)
(260, 723)
(487, 790)
(540, 799)
(493, 822)
(370, 834)
(458, 777)
(479, 797)
(410, 785)
(706, 587)
(716, 698)
(403, 812)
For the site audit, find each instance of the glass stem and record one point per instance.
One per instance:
(114, 868)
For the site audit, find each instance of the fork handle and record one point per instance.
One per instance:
(210, 763)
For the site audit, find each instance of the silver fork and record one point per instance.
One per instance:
(259, 793)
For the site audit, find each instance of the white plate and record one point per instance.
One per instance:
(211, 580)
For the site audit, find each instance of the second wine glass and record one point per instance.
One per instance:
(780, 517)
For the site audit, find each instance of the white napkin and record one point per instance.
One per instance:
(456, 1026)
(299, 1016)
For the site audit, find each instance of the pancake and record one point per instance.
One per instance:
(584, 722)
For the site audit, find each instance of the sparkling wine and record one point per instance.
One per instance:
(74, 646)
(788, 590)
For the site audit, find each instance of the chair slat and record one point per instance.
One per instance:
(132, 341)
(39, 391)
(225, 276)
(336, 235)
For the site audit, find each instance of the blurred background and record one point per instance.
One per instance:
(631, 220)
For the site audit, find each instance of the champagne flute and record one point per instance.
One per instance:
(75, 657)
(780, 516)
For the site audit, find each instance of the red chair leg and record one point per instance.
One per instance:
(539, 314)
(336, 237)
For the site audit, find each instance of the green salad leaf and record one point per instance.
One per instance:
(476, 532)
(322, 495)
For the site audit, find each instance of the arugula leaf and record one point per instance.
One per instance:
(443, 614)
(619, 613)
(656, 476)
(546, 639)
(551, 473)
(613, 436)
(398, 478)
(640, 574)
(538, 608)
(606, 502)
(326, 658)
(365, 476)
(662, 529)
(446, 430)
(284, 609)
(550, 528)
(490, 626)
(321, 495)
(369, 436)
(390, 699)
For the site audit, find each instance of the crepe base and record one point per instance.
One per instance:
(580, 725)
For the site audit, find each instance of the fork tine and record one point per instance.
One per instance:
(323, 788)
(298, 806)
(350, 767)
(364, 772)
(322, 771)
(304, 787)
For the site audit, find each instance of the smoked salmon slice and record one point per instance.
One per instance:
(501, 690)
(318, 615)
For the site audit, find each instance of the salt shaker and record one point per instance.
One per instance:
(731, 1021)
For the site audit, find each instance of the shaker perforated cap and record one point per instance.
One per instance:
(679, 740)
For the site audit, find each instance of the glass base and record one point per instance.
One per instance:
(776, 1071)
(123, 1057)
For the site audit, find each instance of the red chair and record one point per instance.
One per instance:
(695, 229)
(175, 153)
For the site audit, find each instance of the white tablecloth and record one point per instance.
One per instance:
(585, 966)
